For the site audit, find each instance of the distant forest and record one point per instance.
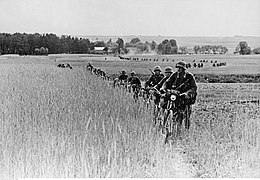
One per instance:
(29, 44)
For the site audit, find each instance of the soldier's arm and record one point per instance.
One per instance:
(159, 85)
(192, 85)
(168, 82)
(147, 83)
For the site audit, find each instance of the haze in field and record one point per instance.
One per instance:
(132, 17)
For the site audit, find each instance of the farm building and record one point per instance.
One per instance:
(100, 50)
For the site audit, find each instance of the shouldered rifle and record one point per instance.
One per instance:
(151, 71)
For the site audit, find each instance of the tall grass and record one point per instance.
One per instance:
(66, 123)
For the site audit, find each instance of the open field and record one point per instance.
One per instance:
(58, 122)
(236, 64)
(238, 69)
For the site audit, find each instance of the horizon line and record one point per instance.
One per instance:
(77, 35)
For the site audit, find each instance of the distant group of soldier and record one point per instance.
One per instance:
(62, 65)
(97, 71)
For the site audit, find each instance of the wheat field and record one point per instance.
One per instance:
(67, 123)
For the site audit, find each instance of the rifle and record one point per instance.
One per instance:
(151, 71)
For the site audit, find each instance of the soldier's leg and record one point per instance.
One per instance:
(179, 121)
(187, 116)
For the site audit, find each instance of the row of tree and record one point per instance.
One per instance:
(210, 49)
(243, 49)
(165, 47)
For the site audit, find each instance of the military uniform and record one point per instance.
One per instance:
(123, 77)
(184, 83)
(154, 80)
(134, 80)
(160, 84)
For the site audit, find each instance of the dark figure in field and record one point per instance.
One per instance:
(214, 65)
(155, 78)
(69, 66)
(103, 74)
(168, 71)
(194, 65)
(122, 78)
(95, 71)
(184, 83)
(134, 82)
(90, 67)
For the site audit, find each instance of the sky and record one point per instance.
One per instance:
(132, 17)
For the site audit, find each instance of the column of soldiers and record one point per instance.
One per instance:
(180, 82)
(97, 71)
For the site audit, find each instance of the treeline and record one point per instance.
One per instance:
(40, 44)
(244, 49)
(165, 47)
(210, 49)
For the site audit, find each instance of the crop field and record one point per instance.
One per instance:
(58, 122)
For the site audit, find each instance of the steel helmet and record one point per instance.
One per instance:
(181, 64)
(133, 73)
(168, 69)
(157, 68)
(123, 71)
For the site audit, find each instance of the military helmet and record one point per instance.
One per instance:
(123, 71)
(181, 64)
(157, 68)
(132, 72)
(168, 69)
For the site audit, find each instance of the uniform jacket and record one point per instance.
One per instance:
(134, 80)
(154, 80)
(123, 77)
(160, 84)
(183, 83)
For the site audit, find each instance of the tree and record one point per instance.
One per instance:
(120, 43)
(135, 40)
(153, 45)
(196, 49)
(243, 48)
(165, 41)
(173, 43)
(183, 50)
(254, 51)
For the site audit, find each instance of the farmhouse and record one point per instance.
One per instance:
(100, 50)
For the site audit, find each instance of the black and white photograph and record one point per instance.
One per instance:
(129, 89)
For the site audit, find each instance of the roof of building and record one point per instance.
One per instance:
(99, 48)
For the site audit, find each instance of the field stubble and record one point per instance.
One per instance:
(65, 123)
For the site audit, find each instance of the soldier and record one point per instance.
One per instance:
(123, 76)
(122, 79)
(168, 71)
(134, 82)
(155, 78)
(184, 83)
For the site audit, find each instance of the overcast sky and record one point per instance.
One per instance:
(132, 17)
